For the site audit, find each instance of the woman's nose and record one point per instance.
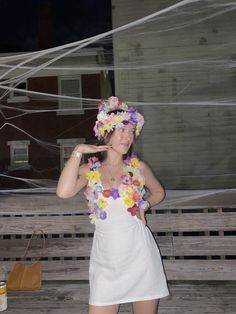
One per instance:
(127, 135)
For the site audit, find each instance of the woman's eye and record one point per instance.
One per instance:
(131, 131)
(122, 130)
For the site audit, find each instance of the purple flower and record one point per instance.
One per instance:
(141, 203)
(125, 122)
(126, 179)
(128, 159)
(133, 118)
(131, 109)
(103, 215)
(134, 155)
(101, 107)
(115, 194)
(94, 163)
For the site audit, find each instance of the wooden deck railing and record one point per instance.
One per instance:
(197, 246)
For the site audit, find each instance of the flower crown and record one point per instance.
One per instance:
(108, 120)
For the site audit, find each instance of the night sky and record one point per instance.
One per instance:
(72, 20)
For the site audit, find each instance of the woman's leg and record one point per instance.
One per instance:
(108, 309)
(147, 307)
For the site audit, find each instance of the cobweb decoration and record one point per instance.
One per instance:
(176, 62)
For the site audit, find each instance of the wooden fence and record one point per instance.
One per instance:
(197, 247)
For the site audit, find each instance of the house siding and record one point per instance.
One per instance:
(187, 146)
(43, 130)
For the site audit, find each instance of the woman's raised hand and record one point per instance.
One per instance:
(88, 149)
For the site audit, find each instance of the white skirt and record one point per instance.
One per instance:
(125, 262)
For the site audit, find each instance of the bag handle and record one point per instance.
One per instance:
(29, 242)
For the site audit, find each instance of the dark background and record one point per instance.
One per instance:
(66, 21)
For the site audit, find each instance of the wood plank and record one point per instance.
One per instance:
(80, 247)
(34, 204)
(168, 222)
(53, 298)
(62, 247)
(49, 224)
(21, 204)
(200, 269)
(55, 247)
(55, 270)
(192, 222)
(71, 298)
(175, 270)
(204, 245)
(199, 199)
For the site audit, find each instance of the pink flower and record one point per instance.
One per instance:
(133, 210)
(94, 163)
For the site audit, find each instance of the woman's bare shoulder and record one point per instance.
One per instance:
(146, 169)
(143, 165)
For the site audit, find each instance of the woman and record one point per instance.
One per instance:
(125, 263)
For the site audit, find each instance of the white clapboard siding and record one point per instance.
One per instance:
(185, 145)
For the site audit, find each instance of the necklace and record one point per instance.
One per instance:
(112, 176)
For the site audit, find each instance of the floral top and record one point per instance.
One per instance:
(131, 189)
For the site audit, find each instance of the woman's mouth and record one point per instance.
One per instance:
(126, 145)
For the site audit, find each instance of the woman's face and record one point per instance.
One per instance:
(122, 138)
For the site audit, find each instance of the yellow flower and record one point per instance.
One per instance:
(103, 129)
(93, 176)
(122, 191)
(109, 127)
(129, 190)
(134, 162)
(91, 207)
(141, 183)
(117, 119)
(93, 218)
(128, 201)
(101, 203)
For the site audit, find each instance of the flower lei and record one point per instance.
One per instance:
(131, 189)
(107, 122)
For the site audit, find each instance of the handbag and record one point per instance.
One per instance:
(26, 276)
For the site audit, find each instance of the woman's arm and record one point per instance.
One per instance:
(157, 193)
(73, 176)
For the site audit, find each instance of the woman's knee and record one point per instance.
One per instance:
(108, 309)
(147, 306)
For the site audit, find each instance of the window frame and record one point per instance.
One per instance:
(14, 98)
(18, 144)
(60, 101)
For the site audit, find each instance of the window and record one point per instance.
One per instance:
(16, 96)
(70, 86)
(19, 154)
(66, 147)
